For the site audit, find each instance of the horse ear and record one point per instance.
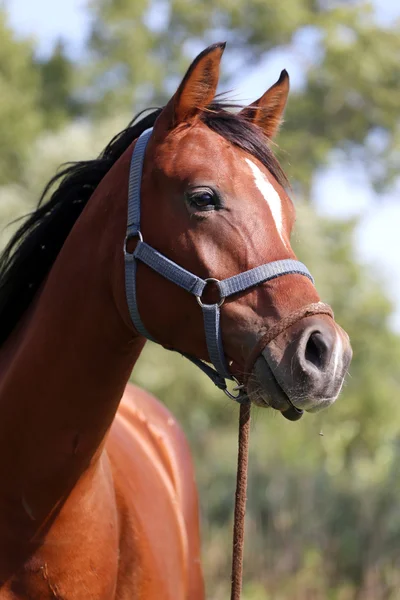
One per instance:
(197, 88)
(267, 111)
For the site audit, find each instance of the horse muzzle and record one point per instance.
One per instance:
(303, 368)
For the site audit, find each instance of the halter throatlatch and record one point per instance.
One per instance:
(189, 281)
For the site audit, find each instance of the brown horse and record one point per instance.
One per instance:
(97, 496)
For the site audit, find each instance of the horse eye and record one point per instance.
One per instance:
(203, 200)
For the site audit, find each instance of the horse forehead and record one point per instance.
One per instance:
(202, 154)
(198, 150)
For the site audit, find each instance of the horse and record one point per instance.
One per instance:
(98, 497)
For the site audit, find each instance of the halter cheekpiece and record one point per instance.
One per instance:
(189, 281)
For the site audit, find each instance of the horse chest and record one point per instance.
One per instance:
(76, 556)
(153, 555)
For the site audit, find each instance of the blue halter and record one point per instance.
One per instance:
(188, 281)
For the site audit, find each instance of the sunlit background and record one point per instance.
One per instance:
(324, 510)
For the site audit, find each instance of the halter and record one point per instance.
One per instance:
(191, 282)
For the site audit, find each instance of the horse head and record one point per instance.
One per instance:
(214, 200)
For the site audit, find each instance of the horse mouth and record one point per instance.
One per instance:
(265, 391)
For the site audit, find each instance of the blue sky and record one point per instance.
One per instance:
(47, 20)
(338, 192)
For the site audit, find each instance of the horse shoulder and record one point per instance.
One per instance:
(157, 499)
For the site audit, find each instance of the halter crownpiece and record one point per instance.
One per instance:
(189, 281)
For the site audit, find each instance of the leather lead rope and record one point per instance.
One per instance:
(240, 500)
(243, 443)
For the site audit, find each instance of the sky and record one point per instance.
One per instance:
(338, 192)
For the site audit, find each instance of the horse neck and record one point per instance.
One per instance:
(64, 368)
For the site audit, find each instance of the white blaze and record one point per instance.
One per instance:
(271, 197)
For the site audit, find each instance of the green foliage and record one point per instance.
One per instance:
(130, 60)
(35, 94)
(350, 100)
(19, 119)
(58, 82)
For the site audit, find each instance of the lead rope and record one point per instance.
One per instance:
(243, 444)
(240, 500)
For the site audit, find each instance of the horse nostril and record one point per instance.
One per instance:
(317, 350)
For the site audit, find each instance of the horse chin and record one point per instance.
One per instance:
(265, 391)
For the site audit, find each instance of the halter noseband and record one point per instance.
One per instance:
(190, 282)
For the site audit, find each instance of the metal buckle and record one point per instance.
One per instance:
(130, 236)
(222, 298)
(239, 387)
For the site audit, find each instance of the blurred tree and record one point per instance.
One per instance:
(58, 78)
(351, 91)
(20, 119)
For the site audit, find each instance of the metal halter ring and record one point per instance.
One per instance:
(222, 298)
(130, 236)
(240, 389)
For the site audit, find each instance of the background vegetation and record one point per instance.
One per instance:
(324, 510)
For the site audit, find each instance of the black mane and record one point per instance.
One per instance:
(32, 250)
